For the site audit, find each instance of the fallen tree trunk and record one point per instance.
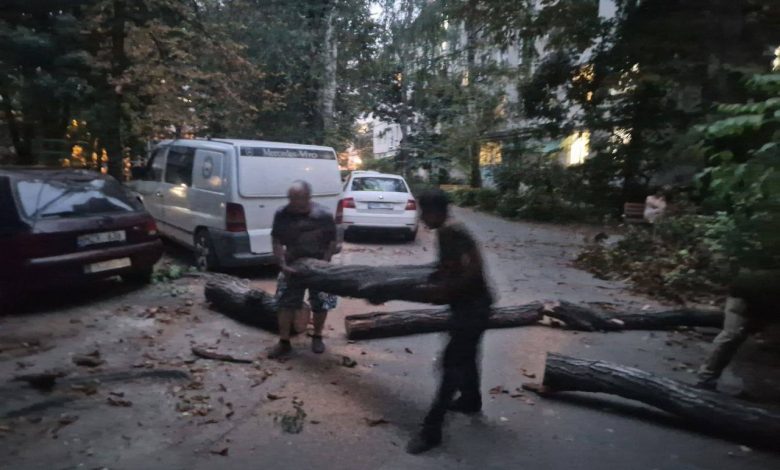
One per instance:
(411, 322)
(708, 410)
(409, 282)
(239, 301)
(233, 297)
(579, 317)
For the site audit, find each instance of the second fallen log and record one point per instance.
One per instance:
(710, 411)
(411, 322)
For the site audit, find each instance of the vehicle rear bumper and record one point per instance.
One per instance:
(233, 250)
(67, 267)
(379, 221)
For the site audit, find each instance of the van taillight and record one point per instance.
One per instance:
(150, 227)
(411, 205)
(235, 221)
(346, 203)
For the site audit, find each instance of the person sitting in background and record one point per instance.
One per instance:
(655, 206)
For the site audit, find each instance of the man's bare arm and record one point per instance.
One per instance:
(279, 253)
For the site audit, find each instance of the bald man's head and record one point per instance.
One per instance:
(299, 196)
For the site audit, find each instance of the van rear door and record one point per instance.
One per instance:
(265, 173)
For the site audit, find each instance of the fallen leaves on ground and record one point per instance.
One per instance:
(116, 401)
(292, 423)
(347, 361)
(91, 359)
(375, 421)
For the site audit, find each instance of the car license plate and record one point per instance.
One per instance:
(107, 265)
(100, 238)
(380, 205)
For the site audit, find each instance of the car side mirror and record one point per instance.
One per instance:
(138, 172)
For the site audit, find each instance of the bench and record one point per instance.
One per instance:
(634, 212)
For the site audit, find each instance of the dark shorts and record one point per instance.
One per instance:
(289, 295)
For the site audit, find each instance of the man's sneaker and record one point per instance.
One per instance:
(465, 406)
(426, 440)
(282, 348)
(317, 346)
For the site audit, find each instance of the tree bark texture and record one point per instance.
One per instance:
(236, 299)
(410, 282)
(411, 322)
(579, 317)
(330, 67)
(711, 411)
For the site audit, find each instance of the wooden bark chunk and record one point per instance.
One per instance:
(206, 354)
(578, 317)
(711, 411)
(410, 322)
(410, 282)
(234, 298)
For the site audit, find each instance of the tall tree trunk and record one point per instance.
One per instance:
(329, 85)
(113, 135)
(471, 46)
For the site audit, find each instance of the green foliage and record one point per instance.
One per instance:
(487, 199)
(742, 178)
(689, 256)
(681, 258)
(170, 272)
(509, 205)
(464, 197)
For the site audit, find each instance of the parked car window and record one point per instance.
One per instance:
(178, 168)
(208, 170)
(156, 165)
(373, 183)
(73, 197)
(9, 217)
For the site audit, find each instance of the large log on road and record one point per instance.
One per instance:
(580, 317)
(711, 411)
(406, 282)
(233, 297)
(236, 299)
(411, 322)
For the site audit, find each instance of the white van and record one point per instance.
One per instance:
(219, 196)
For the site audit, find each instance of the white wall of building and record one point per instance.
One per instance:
(387, 139)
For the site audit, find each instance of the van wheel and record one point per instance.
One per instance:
(411, 236)
(205, 255)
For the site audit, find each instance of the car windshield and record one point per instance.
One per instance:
(78, 197)
(373, 183)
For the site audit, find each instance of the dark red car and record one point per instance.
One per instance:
(61, 226)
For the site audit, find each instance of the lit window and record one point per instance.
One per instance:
(490, 154)
(776, 62)
(580, 148)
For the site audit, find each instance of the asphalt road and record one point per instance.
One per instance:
(356, 417)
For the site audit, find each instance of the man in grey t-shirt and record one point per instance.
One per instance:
(301, 229)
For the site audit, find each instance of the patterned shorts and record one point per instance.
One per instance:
(289, 295)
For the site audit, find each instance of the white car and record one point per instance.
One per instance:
(379, 202)
(219, 196)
